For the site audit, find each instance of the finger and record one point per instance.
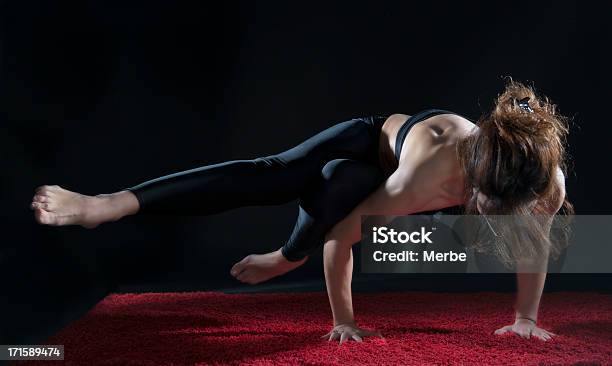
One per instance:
(326, 335)
(333, 336)
(503, 330)
(367, 333)
(540, 336)
(543, 333)
(357, 338)
(549, 333)
(521, 333)
(344, 337)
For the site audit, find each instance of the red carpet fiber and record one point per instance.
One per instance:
(262, 329)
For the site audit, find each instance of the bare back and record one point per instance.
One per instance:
(430, 149)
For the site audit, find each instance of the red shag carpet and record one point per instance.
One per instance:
(264, 329)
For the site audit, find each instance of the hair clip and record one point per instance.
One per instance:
(524, 104)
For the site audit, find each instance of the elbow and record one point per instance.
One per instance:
(334, 238)
(401, 199)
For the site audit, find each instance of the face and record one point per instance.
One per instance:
(482, 202)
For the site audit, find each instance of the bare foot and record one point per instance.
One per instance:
(54, 205)
(256, 268)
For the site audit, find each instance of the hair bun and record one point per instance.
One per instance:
(521, 116)
(524, 104)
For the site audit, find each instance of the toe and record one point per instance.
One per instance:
(38, 205)
(46, 189)
(248, 277)
(241, 276)
(253, 279)
(43, 217)
(239, 267)
(41, 198)
(38, 215)
(42, 189)
(47, 205)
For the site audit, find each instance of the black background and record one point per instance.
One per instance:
(99, 96)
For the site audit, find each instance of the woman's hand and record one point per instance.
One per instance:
(349, 331)
(526, 328)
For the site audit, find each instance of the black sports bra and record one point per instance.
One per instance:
(405, 128)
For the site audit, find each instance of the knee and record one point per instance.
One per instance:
(345, 184)
(344, 172)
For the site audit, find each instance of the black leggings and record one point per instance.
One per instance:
(330, 173)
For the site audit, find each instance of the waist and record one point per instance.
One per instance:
(386, 158)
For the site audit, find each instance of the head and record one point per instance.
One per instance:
(509, 164)
(511, 161)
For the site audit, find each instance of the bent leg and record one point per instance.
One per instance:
(342, 185)
(345, 183)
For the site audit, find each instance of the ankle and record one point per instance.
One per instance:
(98, 209)
(112, 207)
(283, 260)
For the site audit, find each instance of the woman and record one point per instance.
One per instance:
(511, 163)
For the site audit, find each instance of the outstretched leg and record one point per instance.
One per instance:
(343, 184)
(270, 180)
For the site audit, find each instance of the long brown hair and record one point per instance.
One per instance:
(512, 159)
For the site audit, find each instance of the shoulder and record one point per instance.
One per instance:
(559, 191)
(560, 177)
(559, 187)
(553, 203)
(397, 118)
(459, 125)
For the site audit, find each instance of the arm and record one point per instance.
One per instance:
(529, 292)
(530, 282)
(397, 196)
(531, 279)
